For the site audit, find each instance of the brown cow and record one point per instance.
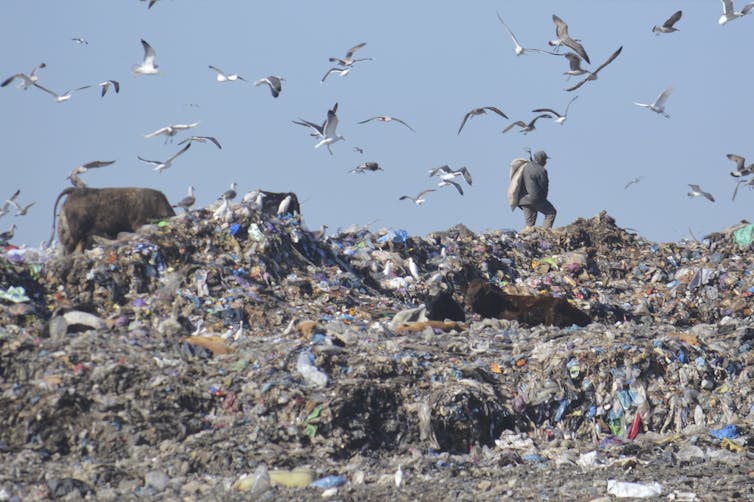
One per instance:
(105, 212)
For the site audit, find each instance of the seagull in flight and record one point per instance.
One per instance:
(574, 65)
(480, 111)
(749, 182)
(226, 77)
(635, 180)
(275, 83)
(419, 199)
(148, 66)
(446, 173)
(201, 139)
(445, 182)
(342, 72)
(561, 32)
(21, 210)
(667, 26)
(26, 80)
(659, 105)
(386, 118)
(171, 130)
(60, 98)
(162, 165)
(558, 117)
(696, 191)
(358, 149)
(80, 40)
(366, 166)
(326, 131)
(741, 169)
(76, 181)
(106, 85)
(349, 60)
(729, 13)
(519, 49)
(9, 202)
(593, 74)
(526, 128)
(187, 201)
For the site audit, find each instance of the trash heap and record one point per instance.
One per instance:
(244, 357)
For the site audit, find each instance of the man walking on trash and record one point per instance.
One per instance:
(528, 189)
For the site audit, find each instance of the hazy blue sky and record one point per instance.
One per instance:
(433, 62)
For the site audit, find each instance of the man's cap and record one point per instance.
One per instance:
(540, 156)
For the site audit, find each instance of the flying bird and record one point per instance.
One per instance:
(60, 98)
(386, 118)
(342, 72)
(21, 210)
(201, 139)
(230, 193)
(326, 132)
(561, 32)
(419, 199)
(274, 82)
(558, 117)
(148, 66)
(106, 85)
(445, 182)
(76, 181)
(741, 169)
(526, 128)
(635, 180)
(667, 26)
(659, 105)
(366, 166)
(480, 111)
(26, 80)
(729, 13)
(80, 40)
(749, 183)
(162, 165)
(593, 74)
(446, 173)
(358, 149)
(519, 49)
(171, 130)
(226, 77)
(574, 65)
(4, 209)
(696, 191)
(349, 60)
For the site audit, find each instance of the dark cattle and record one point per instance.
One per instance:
(105, 212)
(273, 199)
(488, 300)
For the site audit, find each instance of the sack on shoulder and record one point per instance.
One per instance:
(514, 189)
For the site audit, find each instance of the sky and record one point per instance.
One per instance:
(432, 63)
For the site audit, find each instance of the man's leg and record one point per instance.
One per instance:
(530, 215)
(549, 211)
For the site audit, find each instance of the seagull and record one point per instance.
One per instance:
(9, 202)
(698, 192)
(106, 85)
(749, 182)
(26, 80)
(171, 130)
(80, 40)
(275, 83)
(659, 105)
(151, 3)
(558, 117)
(413, 268)
(574, 65)
(386, 118)
(667, 26)
(480, 111)
(349, 60)
(446, 173)
(593, 74)
(358, 149)
(223, 212)
(561, 31)
(255, 198)
(84, 168)
(148, 65)
(419, 199)
(201, 139)
(519, 49)
(326, 131)
(225, 77)
(342, 72)
(8, 234)
(366, 166)
(526, 128)
(61, 97)
(283, 206)
(162, 165)
(741, 169)
(398, 476)
(729, 14)
(187, 201)
(635, 180)
(21, 210)
(444, 182)
(230, 193)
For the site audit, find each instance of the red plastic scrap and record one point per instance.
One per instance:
(634, 430)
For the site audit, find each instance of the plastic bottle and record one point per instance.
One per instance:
(312, 375)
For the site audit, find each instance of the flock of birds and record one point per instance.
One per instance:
(325, 133)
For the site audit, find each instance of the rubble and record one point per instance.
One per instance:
(243, 355)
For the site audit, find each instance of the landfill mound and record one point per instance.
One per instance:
(244, 357)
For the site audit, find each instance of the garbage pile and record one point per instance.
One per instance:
(241, 356)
